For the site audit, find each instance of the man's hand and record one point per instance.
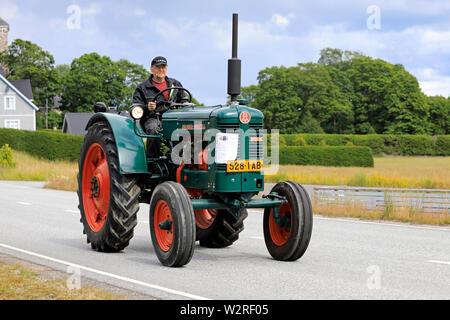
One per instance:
(151, 106)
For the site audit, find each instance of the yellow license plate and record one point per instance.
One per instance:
(244, 165)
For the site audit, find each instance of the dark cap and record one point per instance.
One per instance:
(159, 60)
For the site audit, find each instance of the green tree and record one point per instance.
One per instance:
(26, 60)
(324, 99)
(337, 57)
(55, 119)
(132, 75)
(278, 98)
(439, 115)
(92, 79)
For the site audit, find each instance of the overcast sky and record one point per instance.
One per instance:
(195, 35)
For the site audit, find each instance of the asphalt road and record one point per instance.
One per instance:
(346, 258)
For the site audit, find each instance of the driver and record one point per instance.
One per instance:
(147, 90)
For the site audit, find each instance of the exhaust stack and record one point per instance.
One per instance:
(234, 65)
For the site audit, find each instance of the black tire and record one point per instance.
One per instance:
(224, 231)
(178, 250)
(294, 244)
(121, 218)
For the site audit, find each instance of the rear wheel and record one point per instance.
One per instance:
(172, 224)
(223, 231)
(287, 235)
(108, 201)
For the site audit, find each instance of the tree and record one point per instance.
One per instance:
(132, 75)
(26, 60)
(337, 57)
(324, 99)
(439, 115)
(92, 79)
(278, 98)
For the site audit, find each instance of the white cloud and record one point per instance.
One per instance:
(8, 10)
(432, 82)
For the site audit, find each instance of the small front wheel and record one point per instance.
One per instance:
(172, 224)
(287, 233)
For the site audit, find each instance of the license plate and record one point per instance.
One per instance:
(244, 165)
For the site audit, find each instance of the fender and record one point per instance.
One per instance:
(130, 147)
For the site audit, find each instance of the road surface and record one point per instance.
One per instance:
(346, 258)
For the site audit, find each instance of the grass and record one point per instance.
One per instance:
(390, 212)
(389, 172)
(23, 283)
(59, 175)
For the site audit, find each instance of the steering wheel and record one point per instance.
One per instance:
(171, 104)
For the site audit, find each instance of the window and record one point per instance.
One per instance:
(12, 124)
(10, 103)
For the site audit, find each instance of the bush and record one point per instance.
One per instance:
(405, 145)
(415, 145)
(51, 146)
(442, 146)
(6, 157)
(327, 156)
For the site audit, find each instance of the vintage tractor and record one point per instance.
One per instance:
(199, 189)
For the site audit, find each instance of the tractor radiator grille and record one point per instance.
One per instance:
(256, 151)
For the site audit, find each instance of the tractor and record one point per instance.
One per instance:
(199, 188)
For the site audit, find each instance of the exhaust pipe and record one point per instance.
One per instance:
(234, 65)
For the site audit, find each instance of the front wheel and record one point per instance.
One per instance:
(287, 234)
(172, 224)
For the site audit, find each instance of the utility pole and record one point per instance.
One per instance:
(46, 112)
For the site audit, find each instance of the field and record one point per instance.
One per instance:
(60, 175)
(389, 172)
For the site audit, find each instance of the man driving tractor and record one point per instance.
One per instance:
(144, 94)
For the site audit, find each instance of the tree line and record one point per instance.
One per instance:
(345, 92)
(88, 79)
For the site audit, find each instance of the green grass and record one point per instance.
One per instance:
(23, 283)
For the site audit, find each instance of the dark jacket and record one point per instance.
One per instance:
(146, 91)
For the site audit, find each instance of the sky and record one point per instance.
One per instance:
(195, 35)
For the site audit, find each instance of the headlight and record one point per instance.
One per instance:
(137, 112)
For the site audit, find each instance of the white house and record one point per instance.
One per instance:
(17, 111)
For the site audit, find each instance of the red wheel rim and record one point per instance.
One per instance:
(279, 234)
(164, 237)
(204, 218)
(95, 187)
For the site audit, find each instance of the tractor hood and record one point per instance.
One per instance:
(220, 112)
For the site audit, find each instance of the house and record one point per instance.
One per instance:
(17, 109)
(75, 123)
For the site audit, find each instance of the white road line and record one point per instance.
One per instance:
(24, 203)
(73, 211)
(440, 262)
(107, 274)
(369, 222)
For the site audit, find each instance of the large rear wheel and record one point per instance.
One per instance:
(172, 224)
(108, 200)
(287, 234)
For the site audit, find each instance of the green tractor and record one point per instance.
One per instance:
(198, 190)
